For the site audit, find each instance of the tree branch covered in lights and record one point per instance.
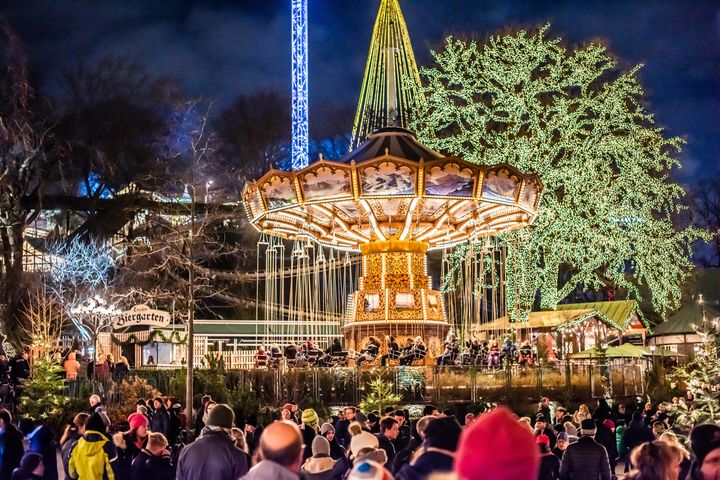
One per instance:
(80, 281)
(573, 117)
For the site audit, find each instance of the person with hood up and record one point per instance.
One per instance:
(336, 450)
(320, 465)
(497, 447)
(585, 459)
(213, 455)
(159, 418)
(281, 453)
(94, 455)
(441, 441)
(549, 463)
(31, 467)
(73, 432)
(153, 461)
(130, 444)
(309, 430)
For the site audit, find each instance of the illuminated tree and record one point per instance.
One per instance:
(576, 119)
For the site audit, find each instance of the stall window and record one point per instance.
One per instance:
(157, 353)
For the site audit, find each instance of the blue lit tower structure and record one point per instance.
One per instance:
(300, 129)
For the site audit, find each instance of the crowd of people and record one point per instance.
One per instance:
(585, 444)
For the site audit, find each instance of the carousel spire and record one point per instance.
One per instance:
(390, 88)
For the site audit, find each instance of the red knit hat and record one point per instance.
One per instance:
(544, 439)
(497, 447)
(137, 420)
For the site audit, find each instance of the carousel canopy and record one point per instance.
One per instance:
(392, 188)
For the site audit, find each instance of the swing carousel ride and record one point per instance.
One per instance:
(391, 199)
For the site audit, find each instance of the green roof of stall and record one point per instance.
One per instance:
(684, 320)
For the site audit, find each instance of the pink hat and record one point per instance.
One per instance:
(497, 447)
(609, 423)
(137, 420)
(544, 439)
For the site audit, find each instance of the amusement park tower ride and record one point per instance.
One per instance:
(392, 199)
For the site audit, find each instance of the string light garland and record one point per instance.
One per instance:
(574, 118)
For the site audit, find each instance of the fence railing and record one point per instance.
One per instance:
(513, 384)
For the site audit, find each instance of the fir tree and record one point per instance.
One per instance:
(701, 376)
(380, 396)
(577, 120)
(43, 397)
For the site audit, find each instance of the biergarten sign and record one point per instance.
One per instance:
(141, 315)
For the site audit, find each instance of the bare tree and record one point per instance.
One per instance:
(705, 213)
(23, 161)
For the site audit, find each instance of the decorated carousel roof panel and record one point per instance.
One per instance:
(380, 195)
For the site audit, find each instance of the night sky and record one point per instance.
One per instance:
(222, 49)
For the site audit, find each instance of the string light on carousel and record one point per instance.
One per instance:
(391, 199)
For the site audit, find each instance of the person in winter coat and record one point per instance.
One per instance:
(42, 441)
(309, 430)
(153, 461)
(635, 434)
(94, 454)
(73, 432)
(705, 445)
(130, 444)
(549, 463)
(72, 367)
(320, 465)
(585, 459)
(441, 440)
(336, 450)
(606, 437)
(201, 414)
(11, 445)
(31, 467)
(159, 418)
(213, 455)
(281, 451)
(389, 431)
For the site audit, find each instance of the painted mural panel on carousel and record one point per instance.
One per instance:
(449, 180)
(500, 185)
(279, 192)
(530, 194)
(326, 182)
(387, 178)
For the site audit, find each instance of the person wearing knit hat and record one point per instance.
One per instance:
(586, 458)
(497, 447)
(369, 470)
(563, 440)
(129, 444)
(309, 430)
(94, 454)
(441, 441)
(320, 465)
(213, 455)
(572, 432)
(221, 416)
(363, 440)
(337, 451)
(549, 463)
(704, 440)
